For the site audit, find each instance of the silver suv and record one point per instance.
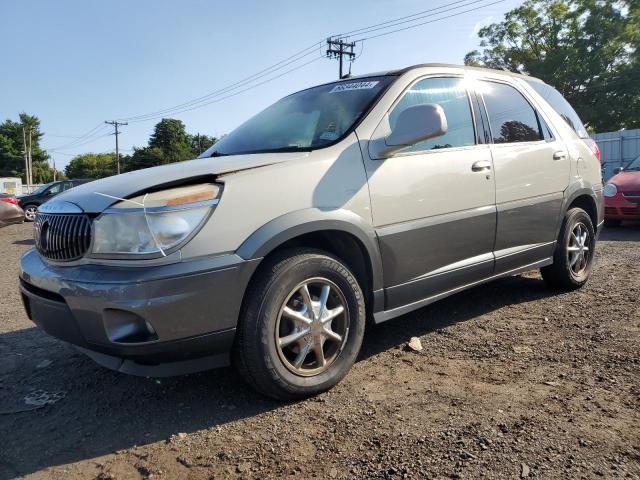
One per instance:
(361, 199)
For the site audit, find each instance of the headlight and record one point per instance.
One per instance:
(154, 223)
(610, 190)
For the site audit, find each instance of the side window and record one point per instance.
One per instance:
(511, 117)
(55, 189)
(451, 95)
(67, 186)
(560, 105)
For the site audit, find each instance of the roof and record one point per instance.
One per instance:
(447, 65)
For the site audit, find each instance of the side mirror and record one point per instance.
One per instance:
(414, 125)
(617, 170)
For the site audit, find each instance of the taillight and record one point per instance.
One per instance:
(591, 143)
(10, 200)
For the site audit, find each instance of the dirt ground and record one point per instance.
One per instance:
(514, 381)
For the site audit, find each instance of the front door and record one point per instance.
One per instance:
(531, 171)
(433, 204)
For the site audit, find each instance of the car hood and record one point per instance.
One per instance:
(627, 181)
(94, 197)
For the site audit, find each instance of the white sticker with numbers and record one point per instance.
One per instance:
(345, 87)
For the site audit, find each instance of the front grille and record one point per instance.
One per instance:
(630, 211)
(610, 211)
(633, 197)
(62, 237)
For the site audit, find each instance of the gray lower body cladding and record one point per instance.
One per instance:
(153, 318)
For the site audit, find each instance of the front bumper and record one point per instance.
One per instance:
(154, 320)
(620, 207)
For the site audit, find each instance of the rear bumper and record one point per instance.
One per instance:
(11, 214)
(155, 320)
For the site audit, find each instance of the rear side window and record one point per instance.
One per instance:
(560, 105)
(451, 95)
(511, 117)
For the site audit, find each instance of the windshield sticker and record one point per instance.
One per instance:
(345, 87)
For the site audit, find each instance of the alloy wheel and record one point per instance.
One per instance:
(30, 213)
(312, 327)
(579, 249)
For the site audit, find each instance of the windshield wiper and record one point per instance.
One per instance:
(216, 153)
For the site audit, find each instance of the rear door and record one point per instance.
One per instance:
(532, 170)
(433, 204)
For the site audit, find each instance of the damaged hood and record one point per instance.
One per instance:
(94, 197)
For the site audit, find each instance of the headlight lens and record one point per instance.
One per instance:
(610, 190)
(153, 223)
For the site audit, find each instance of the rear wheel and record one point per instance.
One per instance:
(30, 212)
(302, 325)
(573, 257)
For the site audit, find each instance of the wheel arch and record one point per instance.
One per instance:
(341, 232)
(588, 200)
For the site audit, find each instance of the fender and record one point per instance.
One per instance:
(291, 225)
(578, 189)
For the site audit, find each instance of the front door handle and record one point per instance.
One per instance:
(560, 155)
(481, 166)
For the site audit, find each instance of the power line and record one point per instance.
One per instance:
(247, 80)
(86, 141)
(79, 139)
(250, 81)
(430, 21)
(359, 30)
(215, 100)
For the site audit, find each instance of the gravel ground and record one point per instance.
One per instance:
(514, 381)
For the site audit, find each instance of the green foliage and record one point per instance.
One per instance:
(12, 149)
(92, 165)
(587, 49)
(143, 158)
(171, 138)
(199, 143)
(169, 143)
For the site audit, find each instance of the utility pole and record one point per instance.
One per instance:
(199, 144)
(338, 48)
(116, 124)
(30, 160)
(26, 160)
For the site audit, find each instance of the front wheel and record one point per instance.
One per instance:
(30, 212)
(573, 257)
(302, 325)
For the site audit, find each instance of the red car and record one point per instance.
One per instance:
(622, 195)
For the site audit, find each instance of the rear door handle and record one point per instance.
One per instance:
(481, 166)
(560, 155)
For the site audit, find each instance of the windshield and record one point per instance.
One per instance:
(307, 120)
(41, 188)
(634, 165)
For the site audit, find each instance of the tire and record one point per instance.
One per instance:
(568, 272)
(266, 354)
(612, 223)
(28, 216)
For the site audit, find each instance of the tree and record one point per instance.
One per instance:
(199, 143)
(12, 149)
(169, 143)
(587, 49)
(143, 158)
(171, 138)
(92, 165)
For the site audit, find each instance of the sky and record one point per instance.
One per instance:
(77, 63)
